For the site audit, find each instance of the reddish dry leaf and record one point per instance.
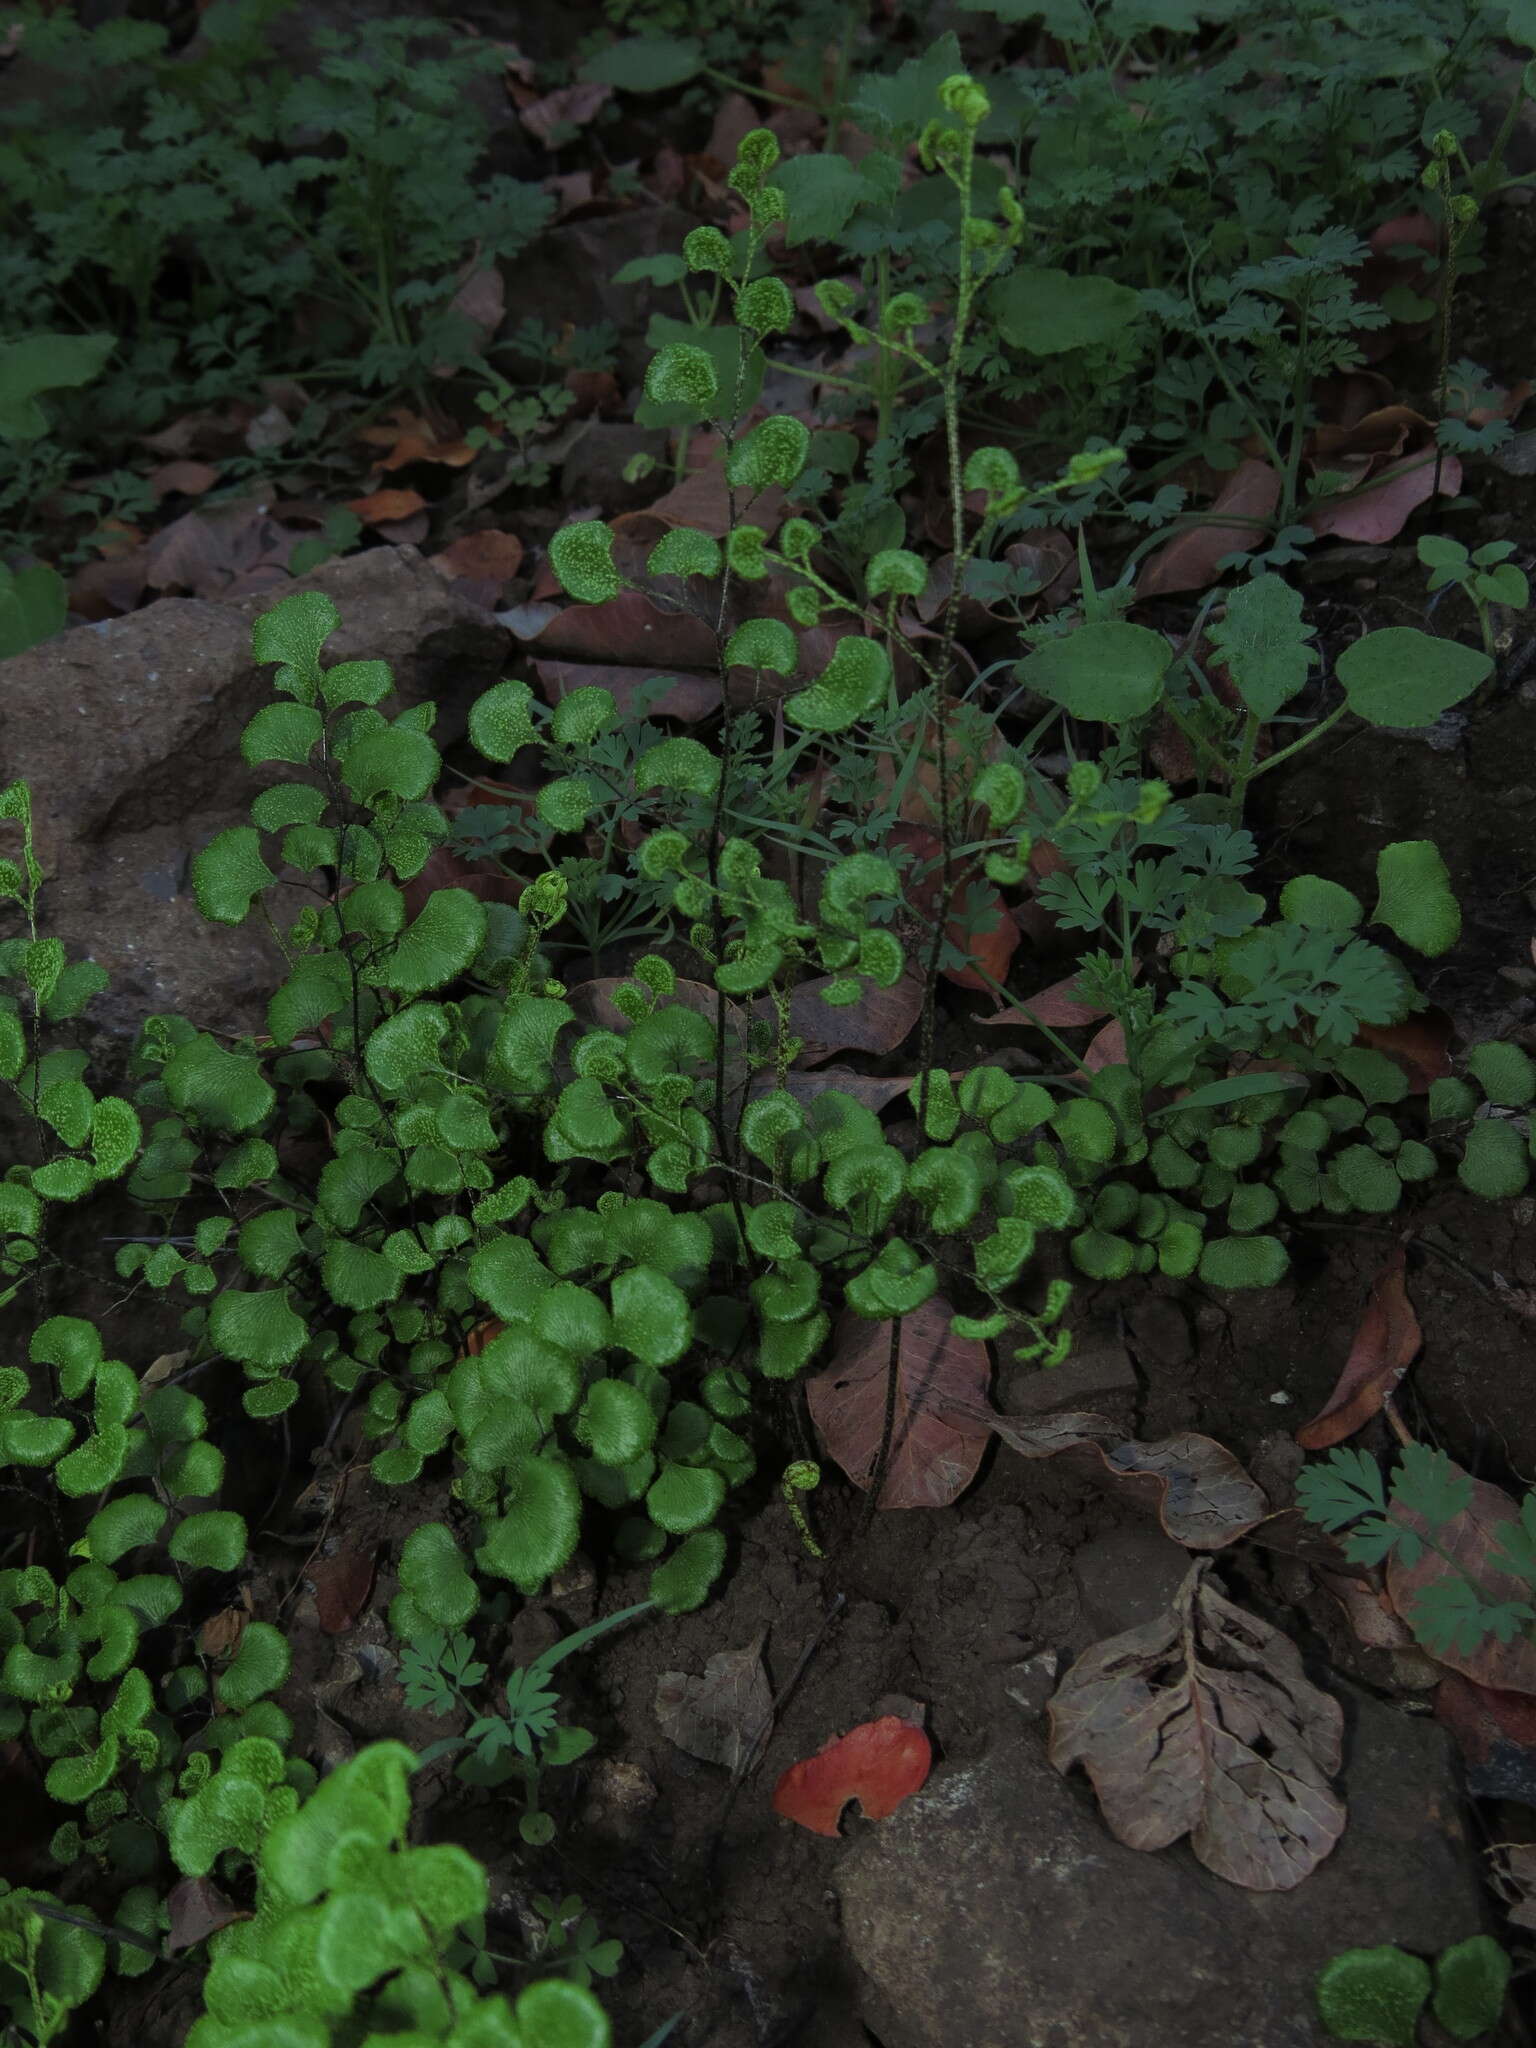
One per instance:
(630, 631)
(1203, 1723)
(878, 1022)
(1056, 1006)
(686, 698)
(937, 1444)
(1386, 1344)
(191, 479)
(992, 950)
(1468, 1543)
(875, 1091)
(342, 1584)
(1188, 561)
(880, 1763)
(414, 439)
(1105, 1049)
(197, 1908)
(383, 508)
(445, 869)
(594, 391)
(702, 500)
(1378, 509)
(487, 556)
(1421, 1046)
(1496, 1734)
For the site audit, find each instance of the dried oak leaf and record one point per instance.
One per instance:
(1386, 1344)
(1202, 1723)
(941, 1385)
(879, 1763)
(878, 1022)
(721, 1717)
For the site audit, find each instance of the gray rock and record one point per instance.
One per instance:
(996, 1910)
(129, 737)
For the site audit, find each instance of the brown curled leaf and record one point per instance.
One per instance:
(1199, 1492)
(1386, 1344)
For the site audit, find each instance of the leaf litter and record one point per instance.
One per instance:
(1203, 1723)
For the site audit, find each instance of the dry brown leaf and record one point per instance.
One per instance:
(219, 1636)
(383, 508)
(162, 1368)
(487, 556)
(1386, 1344)
(1188, 561)
(414, 439)
(1203, 1723)
(936, 1444)
(721, 1717)
(191, 479)
(1200, 1493)
(197, 1908)
(878, 1022)
(342, 1584)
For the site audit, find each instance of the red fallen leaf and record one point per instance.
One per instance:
(414, 439)
(1465, 1550)
(936, 1446)
(1386, 1344)
(1496, 1733)
(381, 508)
(993, 949)
(1380, 508)
(875, 1091)
(487, 556)
(595, 391)
(1188, 561)
(880, 1763)
(687, 698)
(1105, 1049)
(197, 1908)
(342, 1584)
(702, 500)
(1421, 1046)
(630, 630)
(191, 479)
(1057, 1006)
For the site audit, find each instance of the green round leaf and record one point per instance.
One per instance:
(763, 644)
(581, 555)
(851, 686)
(1416, 900)
(1108, 671)
(1401, 677)
(1049, 312)
(1373, 1994)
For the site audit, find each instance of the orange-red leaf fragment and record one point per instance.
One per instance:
(880, 1763)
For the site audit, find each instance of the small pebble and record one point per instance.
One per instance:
(1281, 1400)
